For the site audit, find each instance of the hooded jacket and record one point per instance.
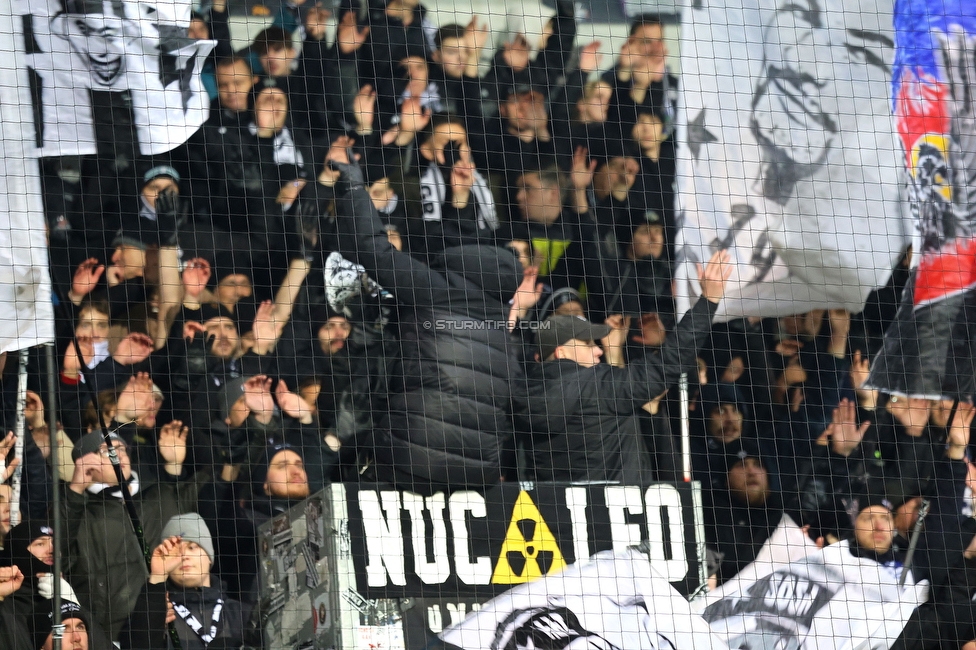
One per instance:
(449, 420)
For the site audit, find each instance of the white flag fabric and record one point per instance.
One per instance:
(614, 601)
(77, 47)
(787, 543)
(828, 600)
(788, 155)
(25, 287)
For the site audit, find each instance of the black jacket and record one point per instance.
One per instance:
(449, 417)
(103, 560)
(200, 603)
(582, 423)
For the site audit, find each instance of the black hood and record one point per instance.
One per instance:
(497, 271)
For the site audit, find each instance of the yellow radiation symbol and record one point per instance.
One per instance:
(530, 550)
(930, 168)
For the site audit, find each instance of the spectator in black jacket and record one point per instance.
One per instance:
(453, 326)
(206, 617)
(948, 549)
(742, 514)
(580, 416)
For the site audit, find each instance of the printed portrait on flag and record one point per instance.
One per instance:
(828, 599)
(788, 156)
(929, 350)
(78, 47)
(615, 600)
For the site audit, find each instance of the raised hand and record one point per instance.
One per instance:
(289, 192)
(11, 579)
(72, 365)
(257, 398)
(581, 174)
(619, 327)
(196, 275)
(960, 430)
(266, 328)
(166, 558)
(172, 442)
(86, 468)
(515, 53)
(292, 404)
(316, 21)
(6, 445)
(462, 180)
(348, 35)
(413, 118)
(191, 328)
(475, 37)
(364, 108)
(85, 279)
(844, 432)
(34, 410)
(342, 159)
(134, 348)
(526, 296)
(136, 399)
(590, 57)
(714, 276)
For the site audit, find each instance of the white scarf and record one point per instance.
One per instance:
(433, 193)
(97, 488)
(285, 151)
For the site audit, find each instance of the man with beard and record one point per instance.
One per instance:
(278, 481)
(743, 514)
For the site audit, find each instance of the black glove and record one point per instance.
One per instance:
(350, 174)
(171, 214)
(566, 8)
(306, 224)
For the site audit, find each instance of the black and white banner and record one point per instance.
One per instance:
(615, 601)
(828, 600)
(789, 157)
(25, 286)
(468, 544)
(74, 48)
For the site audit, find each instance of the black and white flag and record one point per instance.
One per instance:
(789, 157)
(75, 48)
(828, 600)
(25, 286)
(613, 601)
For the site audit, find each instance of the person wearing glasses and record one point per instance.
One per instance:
(104, 561)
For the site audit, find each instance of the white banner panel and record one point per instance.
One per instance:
(26, 311)
(788, 155)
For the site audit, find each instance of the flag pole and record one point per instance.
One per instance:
(685, 427)
(19, 431)
(52, 426)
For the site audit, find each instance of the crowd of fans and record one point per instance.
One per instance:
(378, 261)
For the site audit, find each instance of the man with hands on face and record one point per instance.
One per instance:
(181, 589)
(103, 559)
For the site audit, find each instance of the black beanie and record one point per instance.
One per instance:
(17, 541)
(873, 493)
(90, 443)
(259, 471)
(42, 620)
